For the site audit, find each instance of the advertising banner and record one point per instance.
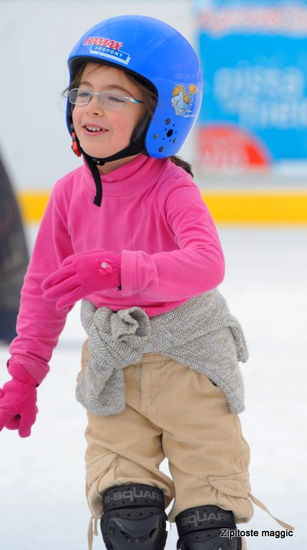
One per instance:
(254, 62)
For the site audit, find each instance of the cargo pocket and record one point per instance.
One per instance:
(232, 493)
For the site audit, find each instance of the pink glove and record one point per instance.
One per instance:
(80, 275)
(18, 401)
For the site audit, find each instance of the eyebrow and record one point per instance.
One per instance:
(109, 87)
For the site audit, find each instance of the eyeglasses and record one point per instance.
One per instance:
(107, 98)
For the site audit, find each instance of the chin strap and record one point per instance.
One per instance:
(97, 179)
(77, 149)
(135, 146)
(93, 163)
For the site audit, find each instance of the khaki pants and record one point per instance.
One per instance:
(177, 413)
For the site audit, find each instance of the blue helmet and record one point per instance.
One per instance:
(162, 58)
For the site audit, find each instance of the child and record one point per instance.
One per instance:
(129, 233)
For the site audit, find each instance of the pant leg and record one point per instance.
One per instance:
(124, 448)
(175, 412)
(208, 456)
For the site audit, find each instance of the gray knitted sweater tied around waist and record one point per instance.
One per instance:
(200, 334)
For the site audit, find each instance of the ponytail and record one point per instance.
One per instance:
(182, 163)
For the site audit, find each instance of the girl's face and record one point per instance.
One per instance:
(102, 131)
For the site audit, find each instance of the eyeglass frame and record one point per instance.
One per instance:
(100, 94)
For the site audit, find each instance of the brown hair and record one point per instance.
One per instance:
(149, 96)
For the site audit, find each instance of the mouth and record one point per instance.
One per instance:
(94, 130)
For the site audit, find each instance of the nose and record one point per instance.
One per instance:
(94, 106)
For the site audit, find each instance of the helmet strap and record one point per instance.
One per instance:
(135, 147)
(75, 144)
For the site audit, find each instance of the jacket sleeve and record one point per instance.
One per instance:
(39, 324)
(196, 266)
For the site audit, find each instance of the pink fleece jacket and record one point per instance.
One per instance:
(152, 214)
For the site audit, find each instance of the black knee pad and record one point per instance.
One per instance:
(134, 518)
(206, 528)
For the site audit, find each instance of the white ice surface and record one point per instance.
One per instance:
(42, 503)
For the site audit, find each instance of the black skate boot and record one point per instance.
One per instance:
(134, 518)
(207, 528)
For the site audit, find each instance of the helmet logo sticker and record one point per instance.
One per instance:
(183, 100)
(105, 47)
